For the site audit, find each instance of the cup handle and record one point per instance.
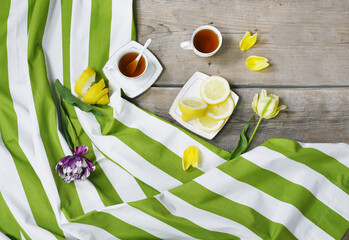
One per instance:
(186, 45)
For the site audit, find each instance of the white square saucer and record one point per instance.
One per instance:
(133, 87)
(192, 89)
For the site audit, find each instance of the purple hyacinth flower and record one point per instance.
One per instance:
(75, 167)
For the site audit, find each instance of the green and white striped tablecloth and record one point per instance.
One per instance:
(280, 190)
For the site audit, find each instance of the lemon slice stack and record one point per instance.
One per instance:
(213, 109)
(91, 92)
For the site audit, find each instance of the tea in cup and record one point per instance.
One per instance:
(205, 41)
(126, 58)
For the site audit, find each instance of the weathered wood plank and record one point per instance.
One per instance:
(307, 42)
(313, 115)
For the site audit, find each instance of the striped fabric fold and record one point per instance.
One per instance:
(282, 189)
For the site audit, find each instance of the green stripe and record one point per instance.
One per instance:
(31, 4)
(287, 191)
(134, 32)
(200, 197)
(328, 166)
(217, 150)
(148, 190)
(100, 36)
(10, 226)
(114, 226)
(105, 189)
(149, 149)
(154, 208)
(102, 184)
(46, 109)
(32, 186)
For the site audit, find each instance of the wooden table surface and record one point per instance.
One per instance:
(306, 42)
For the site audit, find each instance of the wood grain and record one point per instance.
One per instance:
(306, 42)
(312, 115)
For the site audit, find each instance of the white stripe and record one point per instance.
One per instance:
(88, 196)
(17, 200)
(121, 180)
(174, 139)
(80, 12)
(121, 24)
(79, 38)
(339, 151)
(204, 219)
(87, 232)
(125, 156)
(52, 45)
(145, 222)
(298, 173)
(22, 236)
(272, 208)
(28, 137)
(3, 237)
(109, 145)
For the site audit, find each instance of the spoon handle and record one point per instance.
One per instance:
(144, 47)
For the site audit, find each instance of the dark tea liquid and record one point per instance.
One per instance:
(206, 41)
(126, 59)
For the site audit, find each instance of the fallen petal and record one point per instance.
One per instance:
(256, 63)
(190, 157)
(248, 41)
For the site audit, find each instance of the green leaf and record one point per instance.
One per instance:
(64, 123)
(71, 99)
(243, 141)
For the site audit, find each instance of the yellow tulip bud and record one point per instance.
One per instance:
(266, 106)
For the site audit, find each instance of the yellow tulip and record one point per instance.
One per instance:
(82, 84)
(248, 41)
(190, 157)
(96, 93)
(266, 106)
(256, 63)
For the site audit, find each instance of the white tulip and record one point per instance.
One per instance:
(266, 106)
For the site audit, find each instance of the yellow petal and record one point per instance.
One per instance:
(248, 41)
(104, 100)
(84, 81)
(256, 63)
(190, 157)
(95, 92)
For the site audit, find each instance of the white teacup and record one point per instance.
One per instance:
(190, 45)
(135, 52)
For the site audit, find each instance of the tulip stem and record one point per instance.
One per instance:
(254, 131)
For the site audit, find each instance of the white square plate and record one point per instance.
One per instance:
(133, 87)
(192, 89)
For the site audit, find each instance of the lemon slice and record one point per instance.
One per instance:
(84, 82)
(221, 110)
(208, 124)
(214, 89)
(191, 108)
